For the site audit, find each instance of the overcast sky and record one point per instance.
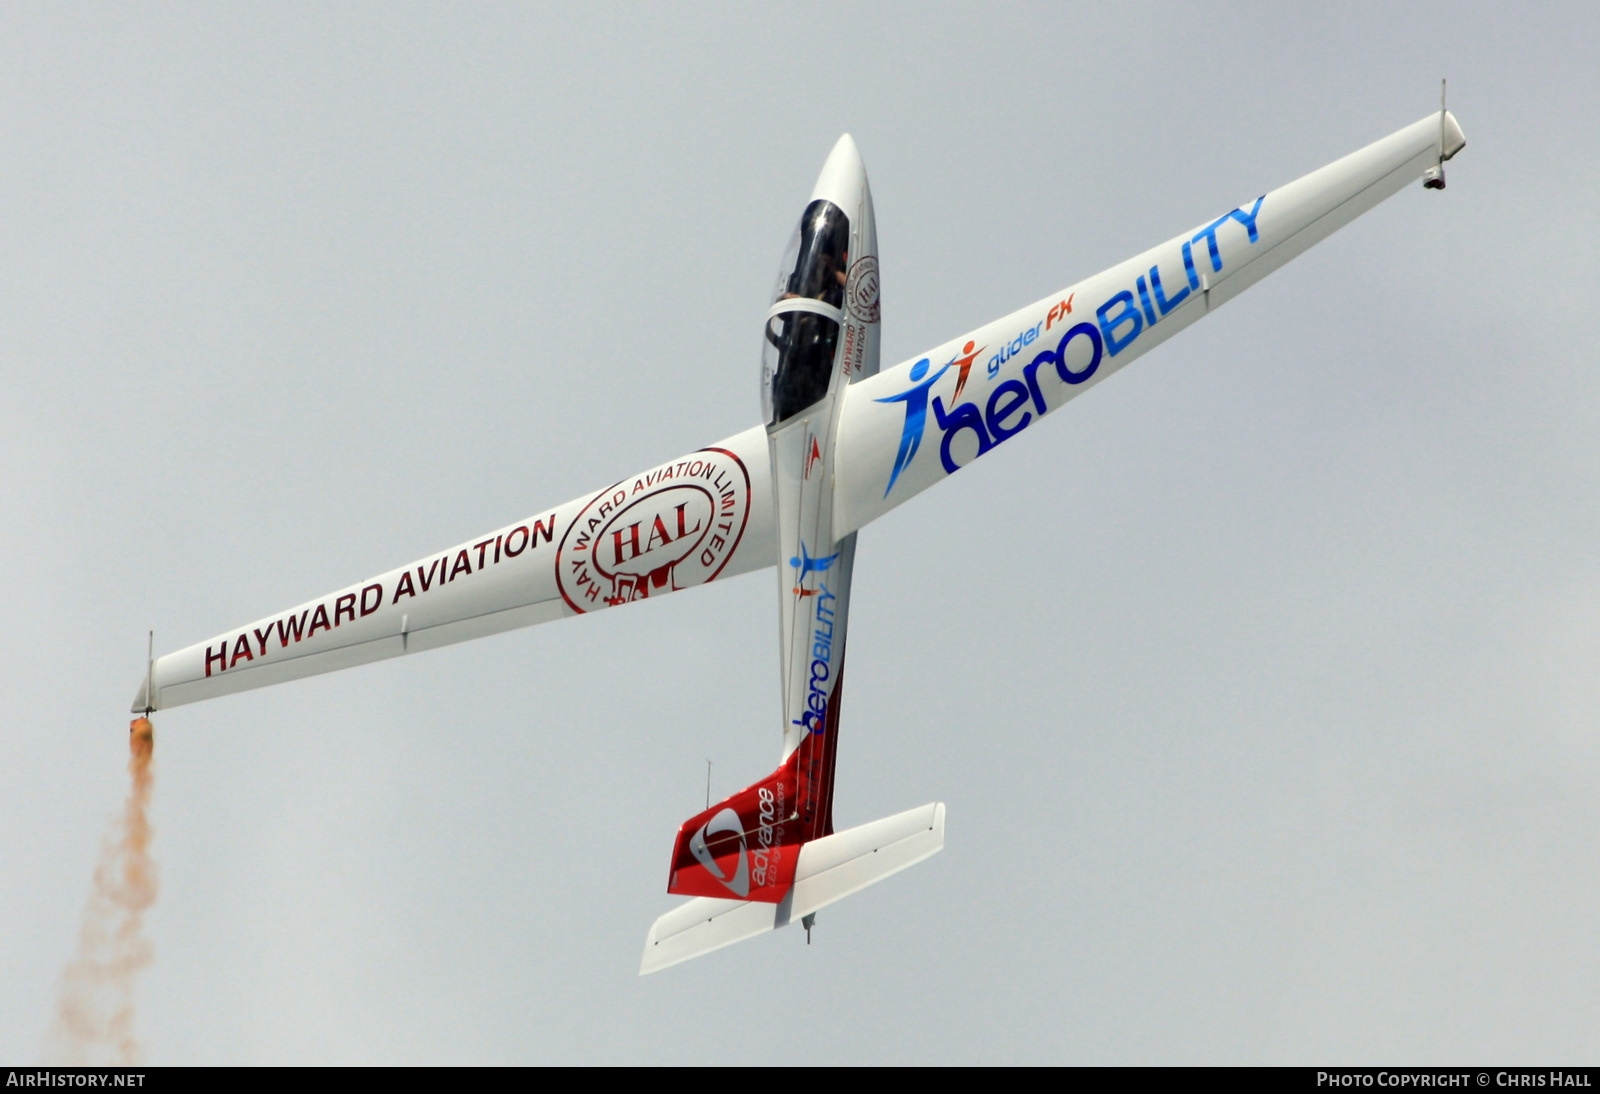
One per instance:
(1260, 682)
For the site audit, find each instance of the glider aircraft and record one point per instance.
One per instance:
(841, 443)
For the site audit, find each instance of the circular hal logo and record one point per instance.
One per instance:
(861, 289)
(671, 528)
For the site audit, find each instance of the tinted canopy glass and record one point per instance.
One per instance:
(803, 323)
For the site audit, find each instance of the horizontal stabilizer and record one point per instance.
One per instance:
(829, 869)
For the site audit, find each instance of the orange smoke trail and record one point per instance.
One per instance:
(94, 1008)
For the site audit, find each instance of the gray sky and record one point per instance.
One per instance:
(1260, 683)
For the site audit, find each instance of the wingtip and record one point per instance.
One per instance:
(1452, 140)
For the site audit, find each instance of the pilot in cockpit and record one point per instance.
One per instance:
(835, 271)
(800, 340)
(830, 274)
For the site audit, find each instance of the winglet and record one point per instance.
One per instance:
(144, 702)
(1451, 141)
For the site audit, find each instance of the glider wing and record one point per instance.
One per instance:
(709, 514)
(910, 426)
(702, 516)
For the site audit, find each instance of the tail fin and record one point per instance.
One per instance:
(823, 870)
(745, 847)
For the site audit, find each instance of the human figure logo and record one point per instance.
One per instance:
(805, 565)
(916, 400)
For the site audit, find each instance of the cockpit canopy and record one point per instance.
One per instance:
(803, 322)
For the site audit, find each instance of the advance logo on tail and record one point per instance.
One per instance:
(743, 848)
(725, 822)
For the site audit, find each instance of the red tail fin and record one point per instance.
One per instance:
(745, 847)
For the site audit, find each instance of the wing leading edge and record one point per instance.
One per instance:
(910, 426)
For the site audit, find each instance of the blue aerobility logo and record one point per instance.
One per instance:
(1006, 412)
(813, 718)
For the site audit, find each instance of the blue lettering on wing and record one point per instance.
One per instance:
(1006, 416)
(964, 416)
(1118, 324)
(1249, 219)
(1109, 322)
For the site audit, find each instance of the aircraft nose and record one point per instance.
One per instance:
(843, 177)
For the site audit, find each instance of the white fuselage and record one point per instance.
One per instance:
(814, 564)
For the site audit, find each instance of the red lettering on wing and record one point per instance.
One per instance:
(295, 627)
(319, 618)
(539, 526)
